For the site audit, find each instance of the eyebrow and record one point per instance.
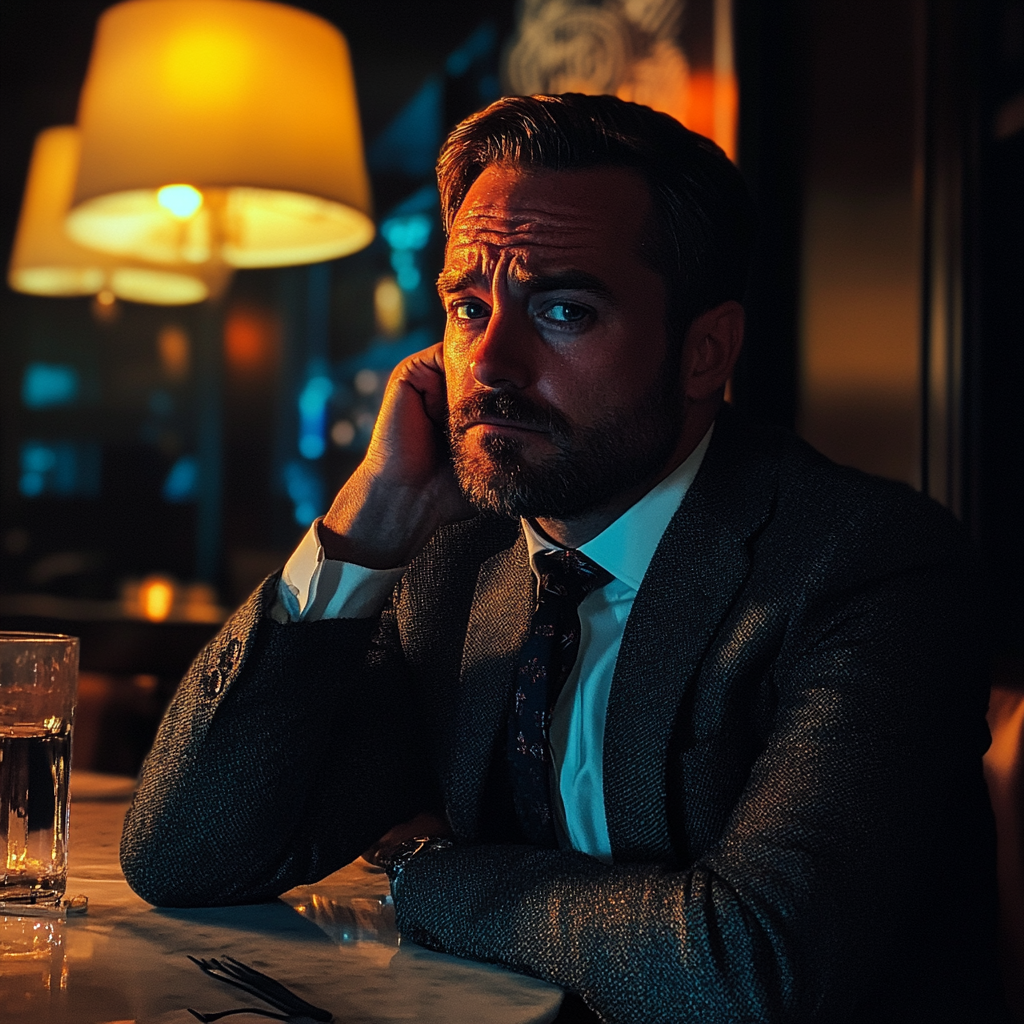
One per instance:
(450, 282)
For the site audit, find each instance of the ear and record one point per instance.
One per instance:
(710, 350)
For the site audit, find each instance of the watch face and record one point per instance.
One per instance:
(404, 852)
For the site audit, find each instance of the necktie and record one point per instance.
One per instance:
(566, 578)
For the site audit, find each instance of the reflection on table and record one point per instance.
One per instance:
(333, 943)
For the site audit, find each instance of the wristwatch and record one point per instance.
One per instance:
(396, 860)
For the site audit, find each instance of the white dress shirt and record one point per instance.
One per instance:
(313, 587)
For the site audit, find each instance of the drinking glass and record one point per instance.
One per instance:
(38, 677)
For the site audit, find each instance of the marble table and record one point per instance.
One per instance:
(333, 943)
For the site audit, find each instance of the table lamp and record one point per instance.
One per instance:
(45, 261)
(223, 131)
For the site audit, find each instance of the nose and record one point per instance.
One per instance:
(501, 357)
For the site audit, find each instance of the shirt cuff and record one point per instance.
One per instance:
(313, 587)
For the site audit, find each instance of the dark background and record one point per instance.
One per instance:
(858, 109)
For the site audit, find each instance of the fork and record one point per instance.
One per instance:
(234, 972)
(208, 1018)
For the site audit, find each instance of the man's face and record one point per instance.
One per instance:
(562, 391)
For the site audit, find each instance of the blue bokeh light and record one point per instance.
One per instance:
(306, 490)
(313, 416)
(46, 385)
(59, 468)
(182, 483)
(409, 232)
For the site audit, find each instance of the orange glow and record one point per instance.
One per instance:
(175, 351)
(712, 107)
(156, 596)
(659, 81)
(199, 604)
(860, 329)
(249, 337)
(588, 47)
(704, 100)
(1006, 721)
(207, 63)
(389, 307)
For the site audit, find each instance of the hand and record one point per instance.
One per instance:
(405, 487)
(424, 824)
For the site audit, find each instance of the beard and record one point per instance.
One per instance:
(589, 467)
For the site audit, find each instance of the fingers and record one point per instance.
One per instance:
(424, 371)
(405, 488)
(406, 443)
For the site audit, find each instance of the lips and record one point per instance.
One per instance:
(501, 423)
(498, 413)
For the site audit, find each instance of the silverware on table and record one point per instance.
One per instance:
(233, 972)
(208, 1018)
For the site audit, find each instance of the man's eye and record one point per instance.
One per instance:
(566, 312)
(469, 309)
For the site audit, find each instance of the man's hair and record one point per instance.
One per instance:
(699, 234)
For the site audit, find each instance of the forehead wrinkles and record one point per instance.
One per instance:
(494, 224)
(487, 265)
(488, 250)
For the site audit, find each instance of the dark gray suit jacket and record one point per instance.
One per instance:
(792, 766)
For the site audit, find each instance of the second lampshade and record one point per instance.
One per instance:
(45, 261)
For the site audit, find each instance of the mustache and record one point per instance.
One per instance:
(509, 406)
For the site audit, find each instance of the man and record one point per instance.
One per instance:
(684, 717)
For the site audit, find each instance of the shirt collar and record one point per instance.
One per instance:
(626, 546)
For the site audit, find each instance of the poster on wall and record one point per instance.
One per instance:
(673, 55)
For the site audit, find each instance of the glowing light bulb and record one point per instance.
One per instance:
(181, 200)
(157, 596)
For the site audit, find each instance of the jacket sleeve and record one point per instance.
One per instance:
(286, 751)
(849, 829)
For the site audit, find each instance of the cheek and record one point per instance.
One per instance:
(590, 388)
(595, 373)
(456, 376)
(457, 348)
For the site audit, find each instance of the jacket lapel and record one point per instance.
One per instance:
(498, 623)
(699, 566)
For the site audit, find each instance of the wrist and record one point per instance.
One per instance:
(397, 859)
(376, 525)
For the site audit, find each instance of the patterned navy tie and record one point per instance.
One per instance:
(566, 578)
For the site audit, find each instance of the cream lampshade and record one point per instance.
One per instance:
(223, 130)
(45, 261)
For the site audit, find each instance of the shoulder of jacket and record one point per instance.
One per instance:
(455, 553)
(819, 497)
